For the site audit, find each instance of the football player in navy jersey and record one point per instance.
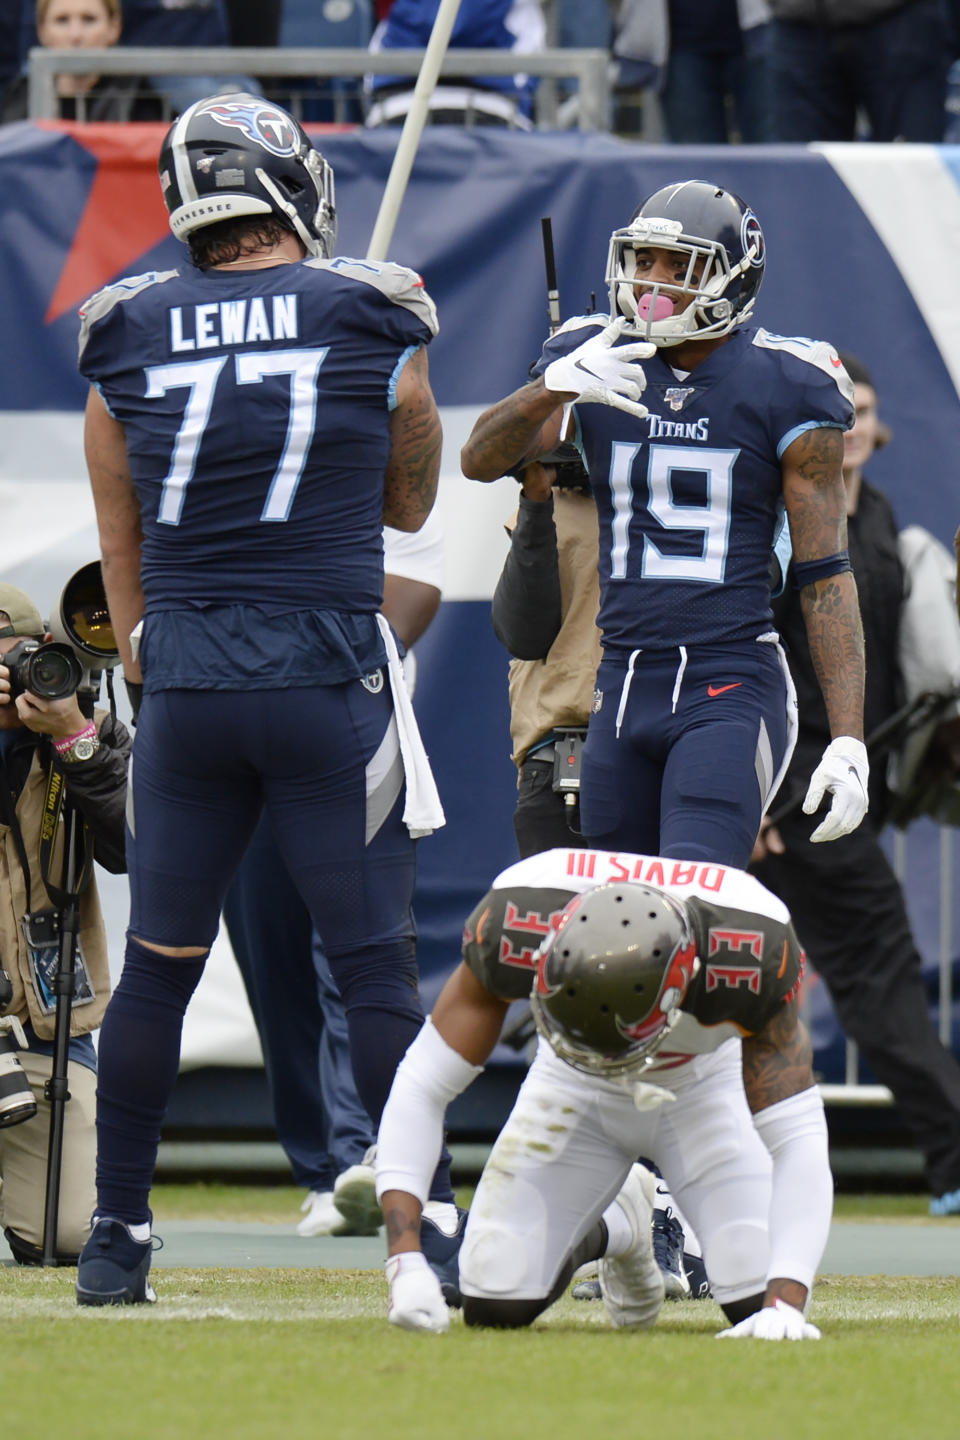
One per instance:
(694, 713)
(254, 419)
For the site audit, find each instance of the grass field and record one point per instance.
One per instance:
(307, 1353)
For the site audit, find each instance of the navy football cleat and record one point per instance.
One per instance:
(113, 1266)
(443, 1255)
(668, 1250)
(697, 1275)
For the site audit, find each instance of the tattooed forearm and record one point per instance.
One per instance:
(416, 439)
(525, 424)
(777, 1063)
(401, 1225)
(831, 613)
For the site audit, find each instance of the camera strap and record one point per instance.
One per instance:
(53, 802)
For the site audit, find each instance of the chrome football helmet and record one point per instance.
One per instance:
(239, 154)
(720, 238)
(612, 977)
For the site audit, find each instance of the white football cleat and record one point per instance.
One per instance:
(321, 1216)
(631, 1284)
(355, 1196)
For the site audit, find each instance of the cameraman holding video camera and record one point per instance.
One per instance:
(51, 754)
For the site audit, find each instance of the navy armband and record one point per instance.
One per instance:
(805, 572)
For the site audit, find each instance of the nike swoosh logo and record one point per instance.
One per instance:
(719, 689)
(579, 365)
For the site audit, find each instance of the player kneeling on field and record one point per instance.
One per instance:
(665, 996)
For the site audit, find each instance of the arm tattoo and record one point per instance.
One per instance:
(399, 1225)
(816, 505)
(515, 429)
(416, 438)
(778, 1061)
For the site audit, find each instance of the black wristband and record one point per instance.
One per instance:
(134, 695)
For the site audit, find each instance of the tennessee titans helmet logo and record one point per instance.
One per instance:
(264, 124)
(752, 235)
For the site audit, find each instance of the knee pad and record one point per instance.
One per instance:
(736, 1260)
(493, 1261)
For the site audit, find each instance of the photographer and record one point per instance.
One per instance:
(46, 744)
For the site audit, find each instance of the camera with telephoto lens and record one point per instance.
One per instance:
(17, 1101)
(45, 668)
(82, 626)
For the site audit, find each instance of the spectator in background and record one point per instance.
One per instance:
(187, 24)
(84, 24)
(708, 61)
(325, 98)
(9, 47)
(847, 905)
(255, 22)
(835, 61)
(321, 1122)
(505, 100)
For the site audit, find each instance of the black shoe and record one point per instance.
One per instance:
(443, 1255)
(696, 1273)
(113, 1266)
(668, 1251)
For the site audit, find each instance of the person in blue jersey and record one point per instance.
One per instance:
(694, 715)
(254, 419)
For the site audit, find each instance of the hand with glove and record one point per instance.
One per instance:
(844, 771)
(601, 372)
(778, 1321)
(416, 1301)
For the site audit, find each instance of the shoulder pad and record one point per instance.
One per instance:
(582, 322)
(819, 353)
(397, 283)
(101, 303)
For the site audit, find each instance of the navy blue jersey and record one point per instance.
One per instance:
(689, 497)
(256, 409)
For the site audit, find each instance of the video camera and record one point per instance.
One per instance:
(83, 646)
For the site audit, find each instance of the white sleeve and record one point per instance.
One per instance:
(416, 555)
(795, 1132)
(429, 1076)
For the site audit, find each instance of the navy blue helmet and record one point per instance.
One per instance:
(718, 236)
(239, 154)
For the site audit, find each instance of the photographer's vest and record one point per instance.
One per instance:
(558, 690)
(14, 904)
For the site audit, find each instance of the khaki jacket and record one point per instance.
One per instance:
(558, 690)
(14, 903)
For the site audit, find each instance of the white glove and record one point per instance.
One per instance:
(596, 372)
(778, 1321)
(416, 1300)
(844, 770)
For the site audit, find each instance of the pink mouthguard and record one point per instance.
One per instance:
(663, 307)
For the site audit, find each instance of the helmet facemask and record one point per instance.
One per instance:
(708, 310)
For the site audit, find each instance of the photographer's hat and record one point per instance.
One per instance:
(24, 615)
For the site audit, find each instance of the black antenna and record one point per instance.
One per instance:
(550, 266)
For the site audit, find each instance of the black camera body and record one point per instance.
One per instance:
(45, 668)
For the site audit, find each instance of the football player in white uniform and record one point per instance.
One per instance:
(665, 995)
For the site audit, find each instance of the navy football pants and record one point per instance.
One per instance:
(703, 737)
(325, 763)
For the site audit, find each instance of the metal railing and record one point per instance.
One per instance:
(589, 68)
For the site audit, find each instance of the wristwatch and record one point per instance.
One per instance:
(80, 747)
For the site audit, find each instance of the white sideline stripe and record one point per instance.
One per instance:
(45, 500)
(899, 188)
